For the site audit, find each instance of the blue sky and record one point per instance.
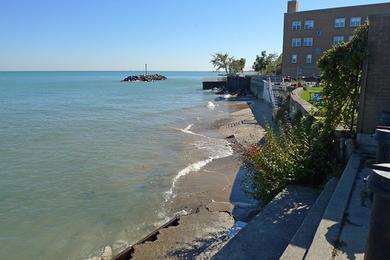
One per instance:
(125, 34)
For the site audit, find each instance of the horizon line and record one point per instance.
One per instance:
(104, 70)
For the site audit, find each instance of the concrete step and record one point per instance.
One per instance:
(269, 233)
(303, 238)
(328, 231)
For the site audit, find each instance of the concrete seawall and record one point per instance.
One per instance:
(210, 84)
(298, 104)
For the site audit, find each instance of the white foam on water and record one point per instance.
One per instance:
(215, 148)
(210, 105)
(190, 168)
(188, 131)
(227, 96)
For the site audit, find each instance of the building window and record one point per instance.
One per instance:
(350, 38)
(296, 25)
(296, 42)
(294, 59)
(318, 51)
(309, 59)
(355, 21)
(307, 41)
(309, 24)
(338, 39)
(339, 23)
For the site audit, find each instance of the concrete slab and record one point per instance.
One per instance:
(303, 238)
(220, 207)
(354, 231)
(268, 234)
(326, 237)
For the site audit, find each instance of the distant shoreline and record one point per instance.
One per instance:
(138, 71)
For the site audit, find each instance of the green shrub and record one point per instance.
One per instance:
(296, 153)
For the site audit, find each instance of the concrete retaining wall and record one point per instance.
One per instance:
(261, 88)
(298, 104)
(257, 86)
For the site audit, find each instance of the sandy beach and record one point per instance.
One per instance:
(212, 198)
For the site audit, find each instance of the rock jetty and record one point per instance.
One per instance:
(147, 78)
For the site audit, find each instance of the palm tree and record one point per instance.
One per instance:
(221, 61)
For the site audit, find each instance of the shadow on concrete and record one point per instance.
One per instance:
(270, 231)
(351, 233)
(263, 113)
(343, 229)
(339, 245)
(193, 250)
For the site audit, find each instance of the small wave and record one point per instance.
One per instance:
(187, 130)
(216, 149)
(190, 168)
(210, 105)
(227, 96)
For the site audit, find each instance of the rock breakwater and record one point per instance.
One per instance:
(146, 78)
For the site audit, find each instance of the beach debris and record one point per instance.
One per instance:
(145, 78)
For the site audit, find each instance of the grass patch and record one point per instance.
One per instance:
(308, 93)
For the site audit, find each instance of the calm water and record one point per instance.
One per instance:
(88, 161)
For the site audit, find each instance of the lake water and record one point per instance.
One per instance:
(88, 161)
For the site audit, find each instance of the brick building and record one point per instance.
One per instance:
(375, 92)
(307, 34)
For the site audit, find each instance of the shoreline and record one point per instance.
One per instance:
(211, 196)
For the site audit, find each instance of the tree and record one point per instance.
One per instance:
(227, 63)
(236, 66)
(221, 61)
(275, 66)
(263, 61)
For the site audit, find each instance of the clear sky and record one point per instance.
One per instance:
(125, 34)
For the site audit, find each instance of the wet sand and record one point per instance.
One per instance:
(212, 196)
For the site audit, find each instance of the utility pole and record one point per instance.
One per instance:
(146, 69)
